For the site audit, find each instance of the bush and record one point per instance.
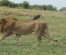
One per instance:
(4, 3)
(25, 5)
(44, 7)
(8, 3)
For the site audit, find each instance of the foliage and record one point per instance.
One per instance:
(8, 3)
(26, 5)
(43, 7)
(56, 22)
(4, 3)
(63, 9)
(37, 7)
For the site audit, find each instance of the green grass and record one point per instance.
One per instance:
(56, 21)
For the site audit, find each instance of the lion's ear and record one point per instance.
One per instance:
(3, 21)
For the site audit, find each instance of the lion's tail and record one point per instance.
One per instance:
(46, 33)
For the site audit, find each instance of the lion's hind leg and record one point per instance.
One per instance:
(47, 36)
(39, 34)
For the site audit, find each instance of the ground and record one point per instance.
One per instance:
(56, 21)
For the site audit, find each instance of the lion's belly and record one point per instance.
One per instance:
(24, 28)
(23, 31)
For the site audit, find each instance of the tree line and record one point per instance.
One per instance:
(26, 5)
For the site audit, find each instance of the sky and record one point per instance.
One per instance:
(57, 3)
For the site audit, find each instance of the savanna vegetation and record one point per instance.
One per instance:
(26, 5)
(56, 21)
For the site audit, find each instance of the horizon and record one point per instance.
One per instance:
(59, 3)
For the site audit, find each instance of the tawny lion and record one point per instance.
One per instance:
(19, 27)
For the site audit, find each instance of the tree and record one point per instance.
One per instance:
(13, 5)
(54, 9)
(44, 7)
(25, 5)
(49, 7)
(63, 9)
(4, 3)
(8, 3)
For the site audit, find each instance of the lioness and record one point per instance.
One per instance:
(19, 27)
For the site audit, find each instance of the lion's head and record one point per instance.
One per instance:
(6, 23)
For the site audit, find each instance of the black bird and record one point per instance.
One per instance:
(36, 17)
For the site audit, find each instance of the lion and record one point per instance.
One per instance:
(20, 27)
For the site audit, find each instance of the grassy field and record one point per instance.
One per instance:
(56, 21)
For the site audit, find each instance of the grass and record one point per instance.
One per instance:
(56, 21)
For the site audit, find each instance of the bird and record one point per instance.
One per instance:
(36, 17)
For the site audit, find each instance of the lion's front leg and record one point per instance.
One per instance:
(2, 36)
(19, 39)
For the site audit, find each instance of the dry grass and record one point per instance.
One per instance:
(56, 21)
